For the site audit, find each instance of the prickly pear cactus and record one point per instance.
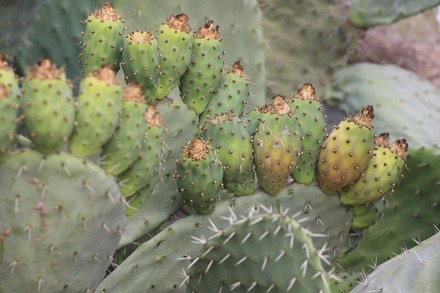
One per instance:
(204, 72)
(252, 254)
(98, 106)
(102, 40)
(199, 175)
(47, 106)
(308, 110)
(346, 152)
(140, 61)
(371, 13)
(9, 103)
(229, 137)
(61, 219)
(414, 270)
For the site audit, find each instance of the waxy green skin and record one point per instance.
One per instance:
(266, 251)
(101, 44)
(98, 109)
(344, 156)
(368, 214)
(234, 147)
(200, 181)
(252, 120)
(8, 110)
(147, 166)
(175, 49)
(124, 146)
(277, 146)
(49, 112)
(203, 75)
(61, 218)
(382, 173)
(140, 62)
(312, 124)
(230, 96)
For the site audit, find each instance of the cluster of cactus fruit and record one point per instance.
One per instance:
(73, 165)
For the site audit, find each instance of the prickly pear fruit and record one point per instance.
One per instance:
(149, 162)
(277, 146)
(368, 214)
(98, 106)
(123, 148)
(382, 173)
(199, 176)
(9, 103)
(307, 109)
(231, 94)
(346, 152)
(205, 70)
(234, 147)
(48, 107)
(102, 40)
(175, 42)
(140, 61)
(264, 252)
(61, 219)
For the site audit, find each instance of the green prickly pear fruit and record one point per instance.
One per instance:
(199, 176)
(231, 94)
(149, 162)
(346, 152)
(205, 70)
(381, 175)
(48, 107)
(9, 103)
(368, 214)
(98, 108)
(61, 219)
(263, 252)
(175, 42)
(277, 146)
(308, 110)
(102, 40)
(234, 147)
(252, 120)
(140, 61)
(123, 148)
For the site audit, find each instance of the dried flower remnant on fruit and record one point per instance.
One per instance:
(238, 69)
(106, 74)
(133, 93)
(196, 150)
(400, 148)
(219, 119)
(364, 118)
(3, 63)
(382, 140)
(279, 105)
(152, 117)
(306, 92)
(208, 31)
(179, 23)
(44, 69)
(107, 12)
